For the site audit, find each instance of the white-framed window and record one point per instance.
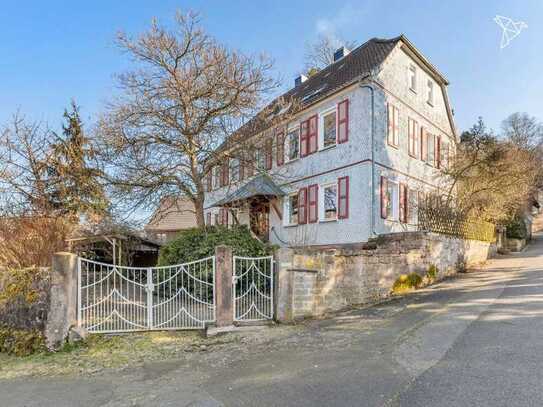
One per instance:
(412, 77)
(234, 170)
(216, 177)
(328, 202)
(430, 92)
(444, 153)
(328, 129)
(430, 148)
(292, 144)
(393, 134)
(393, 200)
(413, 137)
(261, 158)
(412, 206)
(291, 209)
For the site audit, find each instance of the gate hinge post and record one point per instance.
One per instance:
(150, 288)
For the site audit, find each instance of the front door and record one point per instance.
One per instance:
(260, 219)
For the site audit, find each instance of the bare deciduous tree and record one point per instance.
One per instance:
(493, 177)
(187, 94)
(45, 187)
(25, 151)
(320, 54)
(523, 130)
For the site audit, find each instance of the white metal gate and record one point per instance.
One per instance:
(252, 288)
(123, 299)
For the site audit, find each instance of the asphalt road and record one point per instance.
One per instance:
(470, 341)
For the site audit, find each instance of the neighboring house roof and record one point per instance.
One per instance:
(173, 214)
(358, 64)
(259, 186)
(108, 237)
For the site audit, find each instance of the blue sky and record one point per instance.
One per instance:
(54, 50)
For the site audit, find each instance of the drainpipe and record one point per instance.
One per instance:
(372, 217)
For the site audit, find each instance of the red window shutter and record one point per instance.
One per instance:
(343, 197)
(208, 219)
(437, 151)
(403, 203)
(209, 181)
(223, 216)
(423, 144)
(302, 206)
(250, 164)
(224, 173)
(241, 169)
(268, 152)
(384, 199)
(313, 135)
(313, 194)
(280, 148)
(343, 121)
(304, 138)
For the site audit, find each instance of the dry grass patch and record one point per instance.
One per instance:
(101, 352)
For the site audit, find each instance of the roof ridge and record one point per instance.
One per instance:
(351, 52)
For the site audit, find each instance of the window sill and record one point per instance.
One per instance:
(328, 147)
(291, 161)
(413, 90)
(327, 220)
(393, 146)
(429, 103)
(290, 225)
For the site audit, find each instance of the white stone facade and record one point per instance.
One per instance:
(354, 158)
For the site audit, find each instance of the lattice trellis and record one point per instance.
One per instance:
(445, 221)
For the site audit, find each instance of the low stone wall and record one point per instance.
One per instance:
(515, 245)
(315, 280)
(43, 300)
(24, 298)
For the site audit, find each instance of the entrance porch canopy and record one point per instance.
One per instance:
(260, 186)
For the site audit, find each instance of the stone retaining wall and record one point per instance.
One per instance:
(315, 280)
(24, 298)
(43, 300)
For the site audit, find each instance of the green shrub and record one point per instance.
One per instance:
(432, 272)
(198, 243)
(21, 342)
(406, 282)
(516, 229)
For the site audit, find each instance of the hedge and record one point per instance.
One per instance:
(198, 243)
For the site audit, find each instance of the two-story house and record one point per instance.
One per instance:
(374, 130)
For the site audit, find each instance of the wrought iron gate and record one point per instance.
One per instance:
(252, 288)
(123, 299)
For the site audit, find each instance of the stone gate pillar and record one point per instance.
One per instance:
(224, 304)
(62, 313)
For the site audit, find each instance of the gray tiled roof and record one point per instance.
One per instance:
(354, 66)
(358, 63)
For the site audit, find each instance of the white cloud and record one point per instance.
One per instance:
(345, 18)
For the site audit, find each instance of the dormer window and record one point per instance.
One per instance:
(430, 95)
(412, 77)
